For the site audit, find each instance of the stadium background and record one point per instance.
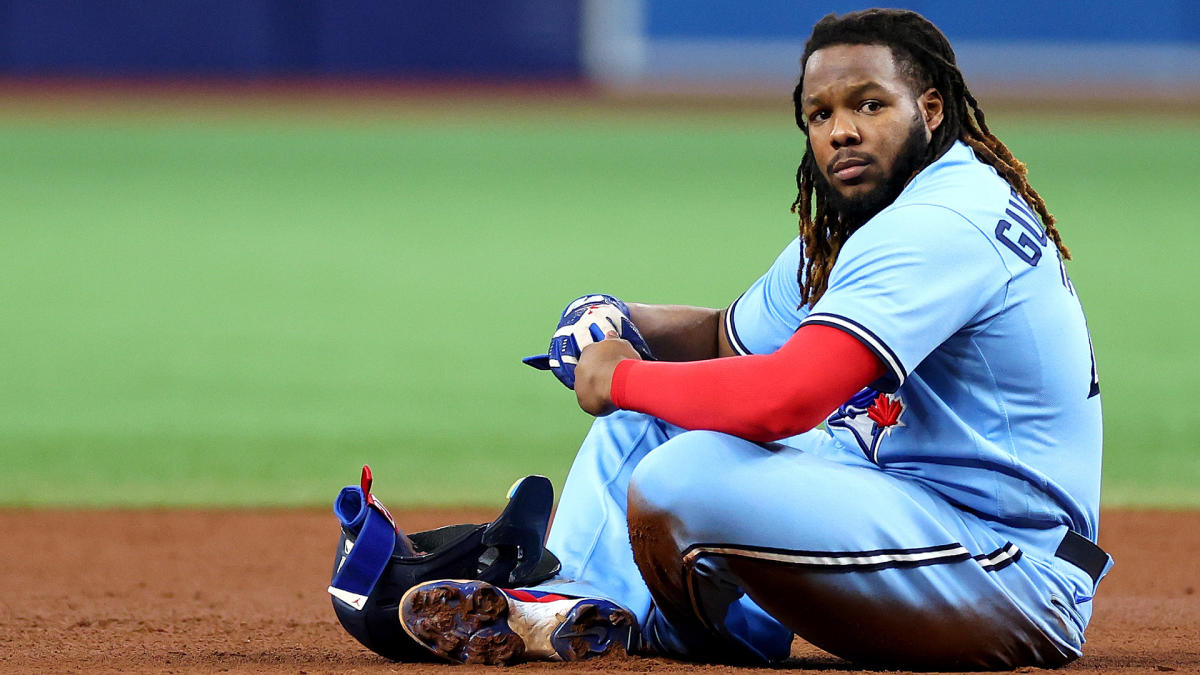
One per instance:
(250, 245)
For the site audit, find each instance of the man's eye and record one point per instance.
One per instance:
(819, 116)
(871, 106)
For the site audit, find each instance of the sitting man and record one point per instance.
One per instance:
(945, 515)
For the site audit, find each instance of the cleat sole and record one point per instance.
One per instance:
(468, 622)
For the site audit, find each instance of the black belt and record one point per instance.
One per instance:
(1082, 553)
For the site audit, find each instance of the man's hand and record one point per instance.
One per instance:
(594, 374)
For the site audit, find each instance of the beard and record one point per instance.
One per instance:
(858, 209)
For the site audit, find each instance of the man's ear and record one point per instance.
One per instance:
(932, 109)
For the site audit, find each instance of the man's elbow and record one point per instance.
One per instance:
(784, 421)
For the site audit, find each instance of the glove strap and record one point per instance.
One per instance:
(375, 541)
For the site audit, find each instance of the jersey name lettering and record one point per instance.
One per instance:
(1033, 239)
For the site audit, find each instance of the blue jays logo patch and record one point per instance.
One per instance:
(869, 416)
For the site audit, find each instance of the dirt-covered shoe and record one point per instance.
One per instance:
(476, 622)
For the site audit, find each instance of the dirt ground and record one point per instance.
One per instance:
(244, 591)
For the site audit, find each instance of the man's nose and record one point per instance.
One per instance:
(844, 132)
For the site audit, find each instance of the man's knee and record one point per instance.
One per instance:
(655, 550)
(669, 493)
(676, 491)
(654, 533)
(658, 501)
(685, 466)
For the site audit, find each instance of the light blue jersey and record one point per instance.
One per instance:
(990, 396)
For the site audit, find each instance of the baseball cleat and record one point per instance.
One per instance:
(476, 622)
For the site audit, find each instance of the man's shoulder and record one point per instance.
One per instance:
(958, 181)
(957, 192)
(951, 207)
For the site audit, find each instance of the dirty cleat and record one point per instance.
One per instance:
(476, 622)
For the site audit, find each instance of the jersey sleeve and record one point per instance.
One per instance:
(908, 280)
(766, 315)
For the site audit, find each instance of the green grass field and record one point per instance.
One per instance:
(242, 308)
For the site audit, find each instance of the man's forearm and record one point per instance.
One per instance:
(761, 398)
(680, 332)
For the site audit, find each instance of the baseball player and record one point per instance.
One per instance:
(943, 516)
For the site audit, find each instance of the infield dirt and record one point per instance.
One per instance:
(244, 591)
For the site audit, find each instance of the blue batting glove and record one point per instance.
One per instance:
(575, 331)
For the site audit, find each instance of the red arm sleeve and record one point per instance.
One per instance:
(760, 397)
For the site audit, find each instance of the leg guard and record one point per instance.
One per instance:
(376, 562)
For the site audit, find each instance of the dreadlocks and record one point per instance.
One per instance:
(924, 55)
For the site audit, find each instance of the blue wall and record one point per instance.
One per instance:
(512, 39)
(480, 38)
(1055, 47)
(1143, 21)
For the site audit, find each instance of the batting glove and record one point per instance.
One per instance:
(586, 320)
